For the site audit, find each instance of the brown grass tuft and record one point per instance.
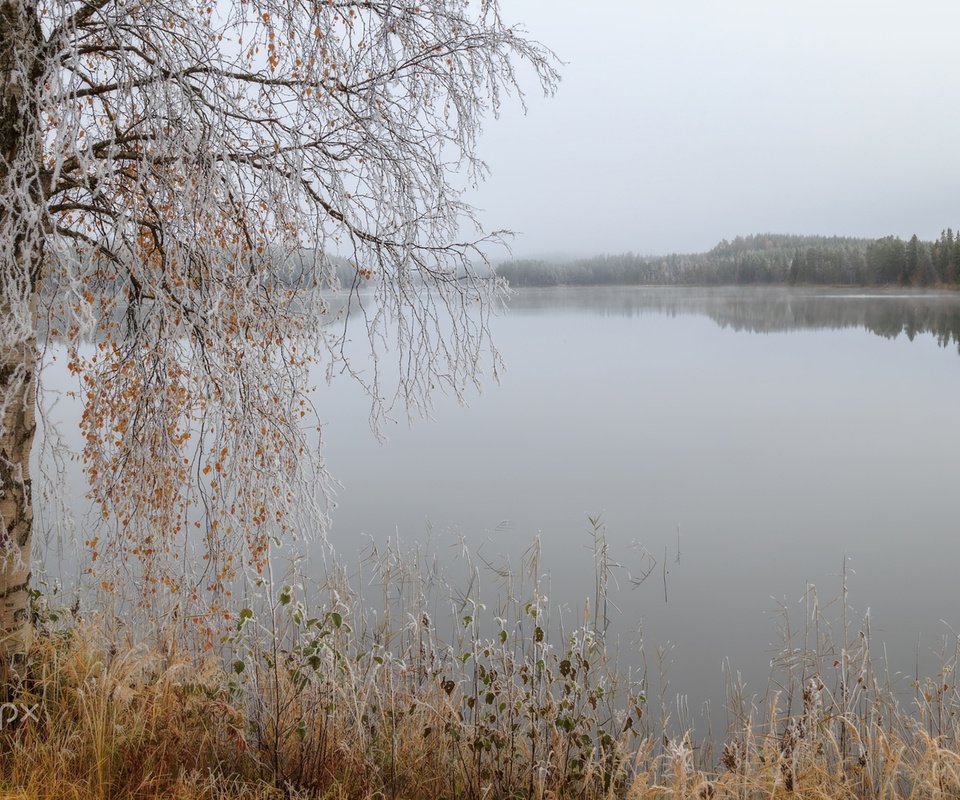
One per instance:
(333, 703)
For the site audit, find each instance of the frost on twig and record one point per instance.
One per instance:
(200, 175)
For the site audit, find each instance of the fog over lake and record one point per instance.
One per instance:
(779, 430)
(775, 427)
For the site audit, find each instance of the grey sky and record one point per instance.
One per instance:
(681, 122)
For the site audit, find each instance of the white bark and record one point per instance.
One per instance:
(21, 241)
(18, 409)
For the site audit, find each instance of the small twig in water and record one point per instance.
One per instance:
(664, 573)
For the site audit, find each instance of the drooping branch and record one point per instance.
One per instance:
(187, 159)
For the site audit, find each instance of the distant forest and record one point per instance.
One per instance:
(762, 259)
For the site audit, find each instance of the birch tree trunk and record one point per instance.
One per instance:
(17, 399)
(21, 52)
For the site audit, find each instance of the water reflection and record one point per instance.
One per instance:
(781, 457)
(765, 310)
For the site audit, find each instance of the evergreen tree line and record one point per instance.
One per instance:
(762, 259)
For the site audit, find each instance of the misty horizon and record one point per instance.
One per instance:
(677, 126)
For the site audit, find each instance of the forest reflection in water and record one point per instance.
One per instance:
(887, 313)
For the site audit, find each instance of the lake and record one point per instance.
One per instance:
(751, 441)
(782, 431)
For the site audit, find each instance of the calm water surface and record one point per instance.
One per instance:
(779, 431)
(782, 431)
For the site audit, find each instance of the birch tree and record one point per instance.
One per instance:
(164, 164)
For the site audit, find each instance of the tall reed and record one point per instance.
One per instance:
(398, 683)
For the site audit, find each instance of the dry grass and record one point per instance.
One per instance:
(347, 704)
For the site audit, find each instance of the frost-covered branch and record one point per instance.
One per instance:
(182, 157)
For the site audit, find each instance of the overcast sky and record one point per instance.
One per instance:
(682, 122)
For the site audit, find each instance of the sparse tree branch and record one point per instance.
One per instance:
(88, 9)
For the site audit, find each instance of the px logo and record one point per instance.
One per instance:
(11, 712)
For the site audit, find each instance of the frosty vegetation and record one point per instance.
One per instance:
(160, 164)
